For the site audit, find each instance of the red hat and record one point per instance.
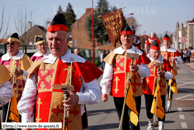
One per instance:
(155, 45)
(166, 37)
(58, 23)
(127, 31)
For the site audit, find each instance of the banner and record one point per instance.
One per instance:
(130, 102)
(113, 23)
(172, 83)
(14, 115)
(159, 109)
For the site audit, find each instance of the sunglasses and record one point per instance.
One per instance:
(12, 43)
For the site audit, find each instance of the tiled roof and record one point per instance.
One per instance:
(3, 40)
(192, 21)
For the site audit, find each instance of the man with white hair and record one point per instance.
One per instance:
(150, 83)
(61, 67)
(17, 63)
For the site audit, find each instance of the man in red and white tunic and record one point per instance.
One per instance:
(174, 57)
(149, 41)
(116, 75)
(150, 83)
(13, 59)
(42, 49)
(43, 99)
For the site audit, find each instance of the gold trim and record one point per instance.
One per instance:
(116, 79)
(11, 39)
(39, 103)
(40, 42)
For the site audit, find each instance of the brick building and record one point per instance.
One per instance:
(184, 35)
(80, 37)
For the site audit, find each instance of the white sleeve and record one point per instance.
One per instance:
(27, 102)
(25, 75)
(90, 93)
(143, 70)
(6, 92)
(106, 80)
(168, 75)
(179, 60)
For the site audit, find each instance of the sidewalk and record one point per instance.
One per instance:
(189, 65)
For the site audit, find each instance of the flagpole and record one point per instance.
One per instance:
(93, 57)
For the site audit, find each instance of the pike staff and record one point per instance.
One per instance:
(66, 96)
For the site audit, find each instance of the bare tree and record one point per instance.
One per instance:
(21, 22)
(3, 26)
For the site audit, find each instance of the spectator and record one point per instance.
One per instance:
(106, 53)
(185, 55)
(182, 54)
(188, 55)
(76, 51)
(103, 56)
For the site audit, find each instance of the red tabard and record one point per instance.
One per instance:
(120, 75)
(49, 107)
(150, 83)
(167, 55)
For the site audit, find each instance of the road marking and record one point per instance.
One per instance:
(180, 109)
(184, 125)
(182, 81)
(182, 117)
(183, 96)
(186, 83)
(185, 66)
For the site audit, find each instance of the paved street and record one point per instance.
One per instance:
(103, 116)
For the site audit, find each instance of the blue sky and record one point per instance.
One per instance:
(154, 15)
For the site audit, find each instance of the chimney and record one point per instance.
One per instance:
(29, 25)
(48, 24)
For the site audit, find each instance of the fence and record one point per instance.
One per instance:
(31, 49)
